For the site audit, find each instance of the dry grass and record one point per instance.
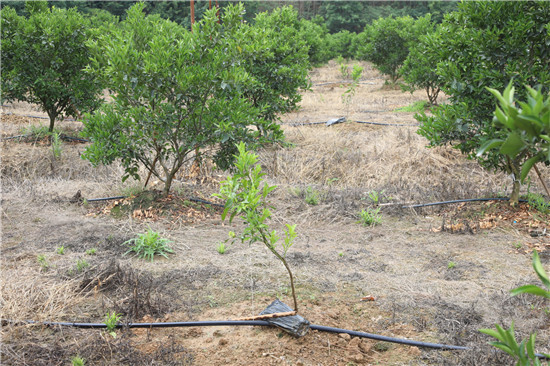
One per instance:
(353, 157)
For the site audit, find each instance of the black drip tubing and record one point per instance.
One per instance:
(386, 124)
(215, 323)
(460, 201)
(204, 201)
(321, 328)
(408, 342)
(105, 199)
(122, 197)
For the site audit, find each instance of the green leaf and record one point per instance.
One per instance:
(530, 289)
(513, 145)
(488, 145)
(537, 265)
(527, 167)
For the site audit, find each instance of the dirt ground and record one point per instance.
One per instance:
(434, 274)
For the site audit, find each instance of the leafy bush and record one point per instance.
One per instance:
(180, 92)
(386, 42)
(485, 44)
(317, 38)
(246, 193)
(419, 69)
(42, 60)
(342, 44)
(275, 54)
(148, 245)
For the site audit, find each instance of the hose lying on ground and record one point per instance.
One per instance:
(211, 323)
(460, 201)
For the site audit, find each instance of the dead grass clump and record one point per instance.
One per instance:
(25, 295)
(36, 346)
(130, 292)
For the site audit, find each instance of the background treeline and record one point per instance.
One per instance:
(336, 16)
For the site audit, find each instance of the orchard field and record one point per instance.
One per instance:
(383, 172)
(437, 274)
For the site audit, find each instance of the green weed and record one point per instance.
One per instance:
(370, 217)
(312, 196)
(43, 262)
(416, 107)
(221, 247)
(81, 264)
(111, 321)
(91, 251)
(148, 245)
(60, 250)
(78, 361)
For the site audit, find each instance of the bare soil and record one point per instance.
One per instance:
(435, 274)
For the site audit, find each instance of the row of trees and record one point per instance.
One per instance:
(177, 94)
(337, 16)
(481, 45)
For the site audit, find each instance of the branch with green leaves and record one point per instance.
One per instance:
(524, 351)
(527, 127)
(246, 194)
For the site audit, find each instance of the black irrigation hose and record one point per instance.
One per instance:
(307, 124)
(408, 342)
(206, 202)
(386, 124)
(460, 201)
(70, 138)
(62, 136)
(105, 199)
(214, 323)
(122, 197)
(321, 328)
(370, 123)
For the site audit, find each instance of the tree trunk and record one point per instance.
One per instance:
(515, 169)
(168, 183)
(514, 197)
(52, 121)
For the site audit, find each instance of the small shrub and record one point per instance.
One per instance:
(148, 245)
(56, 145)
(370, 217)
(246, 193)
(60, 250)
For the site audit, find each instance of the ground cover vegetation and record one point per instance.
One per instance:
(226, 86)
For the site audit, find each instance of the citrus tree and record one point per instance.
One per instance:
(386, 42)
(43, 57)
(486, 44)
